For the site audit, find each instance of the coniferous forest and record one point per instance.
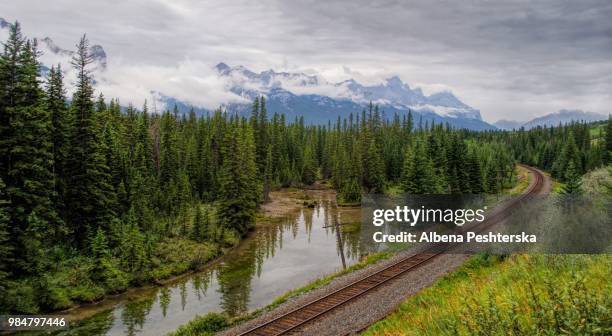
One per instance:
(96, 196)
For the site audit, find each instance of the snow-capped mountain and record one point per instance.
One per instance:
(392, 94)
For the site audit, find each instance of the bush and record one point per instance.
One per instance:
(203, 325)
(114, 279)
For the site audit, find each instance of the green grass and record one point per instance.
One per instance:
(524, 178)
(557, 186)
(521, 295)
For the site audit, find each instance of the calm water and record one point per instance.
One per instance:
(273, 260)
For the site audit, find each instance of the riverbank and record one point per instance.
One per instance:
(178, 258)
(286, 250)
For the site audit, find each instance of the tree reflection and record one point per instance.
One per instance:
(134, 314)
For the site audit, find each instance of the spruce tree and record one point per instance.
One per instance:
(492, 179)
(60, 130)
(573, 184)
(201, 225)
(419, 176)
(309, 170)
(26, 155)
(474, 173)
(89, 197)
(239, 189)
(374, 170)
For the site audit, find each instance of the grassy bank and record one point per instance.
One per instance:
(73, 278)
(520, 295)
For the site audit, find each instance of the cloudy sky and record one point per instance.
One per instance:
(512, 59)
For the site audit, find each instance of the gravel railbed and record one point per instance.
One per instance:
(355, 316)
(415, 280)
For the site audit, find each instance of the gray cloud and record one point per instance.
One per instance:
(512, 59)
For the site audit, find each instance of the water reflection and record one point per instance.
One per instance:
(273, 260)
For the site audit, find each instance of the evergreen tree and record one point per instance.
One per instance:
(238, 184)
(474, 173)
(99, 245)
(25, 147)
(418, 175)
(201, 225)
(351, 191)
(492, 179)
(132, 246)
(60, 131)
(309, 170)
(573, 184)
(374, 173)
(89, 198)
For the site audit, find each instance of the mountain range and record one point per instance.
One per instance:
(552, 119)
(318, 101)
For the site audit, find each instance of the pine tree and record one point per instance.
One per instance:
(60, 130)
(418, 175)
(351, 191)
(99, 245)
(573, 184)
(309, 170)
(374, 171)
(474, 171)
(201, 225)
(89, 196)
(132, 246)
(11, 68)
(26, 157)
(239, 189)
(569, 155)
(492, 179)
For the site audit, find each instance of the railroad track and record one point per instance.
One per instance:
(294, 319)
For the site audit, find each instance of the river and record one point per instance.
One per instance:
(274, 259)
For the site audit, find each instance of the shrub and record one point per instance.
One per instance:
(203, 325)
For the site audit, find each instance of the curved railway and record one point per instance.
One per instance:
(291, 321)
